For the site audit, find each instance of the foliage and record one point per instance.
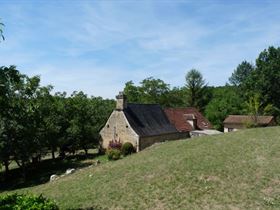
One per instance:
(226, 100)
(195, 85)
(114, 150)
(113, 154)
(241, 73)
(83, 128)
(19, 116)
(127, 149)
(132, 92)
(33, 121)
(26, 202)
(155, 91)
(177, 97)
(254, 106)
(264, 80)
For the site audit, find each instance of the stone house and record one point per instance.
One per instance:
(237, 122)
(140, 124)
(190, 120)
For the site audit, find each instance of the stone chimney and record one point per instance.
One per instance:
(121, 101)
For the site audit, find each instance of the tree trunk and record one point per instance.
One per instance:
(23, 171)
(22, 166)
(53, 155)
(6, 164)
(86, 151)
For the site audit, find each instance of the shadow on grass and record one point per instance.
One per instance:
(89, 208)
(40, 173)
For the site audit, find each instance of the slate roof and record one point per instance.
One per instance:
(179, 117)
(241, 119)
(148, 119)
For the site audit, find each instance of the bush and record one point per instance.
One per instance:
(26, 202)
(127, 149)
(113, 154)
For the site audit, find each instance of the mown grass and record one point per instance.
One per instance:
(239, 170)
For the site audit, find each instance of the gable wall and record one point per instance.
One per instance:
(118, 126)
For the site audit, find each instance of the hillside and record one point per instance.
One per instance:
(238, 170)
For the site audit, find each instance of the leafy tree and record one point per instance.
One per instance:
(132, 92)
(84, 118)
(51, 114)
(265, 78)
(80, 130)
(241, 73)
(225, 101)
(151, 90)
(255, 107)
(262, 80)
(10, 84)
(34, 122)
(154, 91)
(19, 117)
(195, 85)
(176, 97)
(27, 144)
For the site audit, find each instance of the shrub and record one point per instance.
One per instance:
(113, 154)
(26, 202)
(127, 149)
(115, 145)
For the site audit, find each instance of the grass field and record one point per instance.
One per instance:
(239, 170)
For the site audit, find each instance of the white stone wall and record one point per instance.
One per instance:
(226, 130)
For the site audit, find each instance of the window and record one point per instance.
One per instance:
(230, 129)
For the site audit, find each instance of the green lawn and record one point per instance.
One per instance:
(239, 170)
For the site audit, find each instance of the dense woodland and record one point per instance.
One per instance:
(35, 121)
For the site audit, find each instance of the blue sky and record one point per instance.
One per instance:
(97, 46)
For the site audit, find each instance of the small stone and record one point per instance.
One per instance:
(69, 171)
(53, 177)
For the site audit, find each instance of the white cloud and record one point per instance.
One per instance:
(98, 46)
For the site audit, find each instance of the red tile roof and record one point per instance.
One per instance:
(241, 119)
(179, 117)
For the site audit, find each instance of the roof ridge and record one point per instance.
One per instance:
(182, 108)
(142, 104)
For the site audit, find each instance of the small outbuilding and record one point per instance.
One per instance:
(140, 124)
(237, 122)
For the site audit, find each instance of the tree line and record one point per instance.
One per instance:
(34, 122)
(252, 89)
